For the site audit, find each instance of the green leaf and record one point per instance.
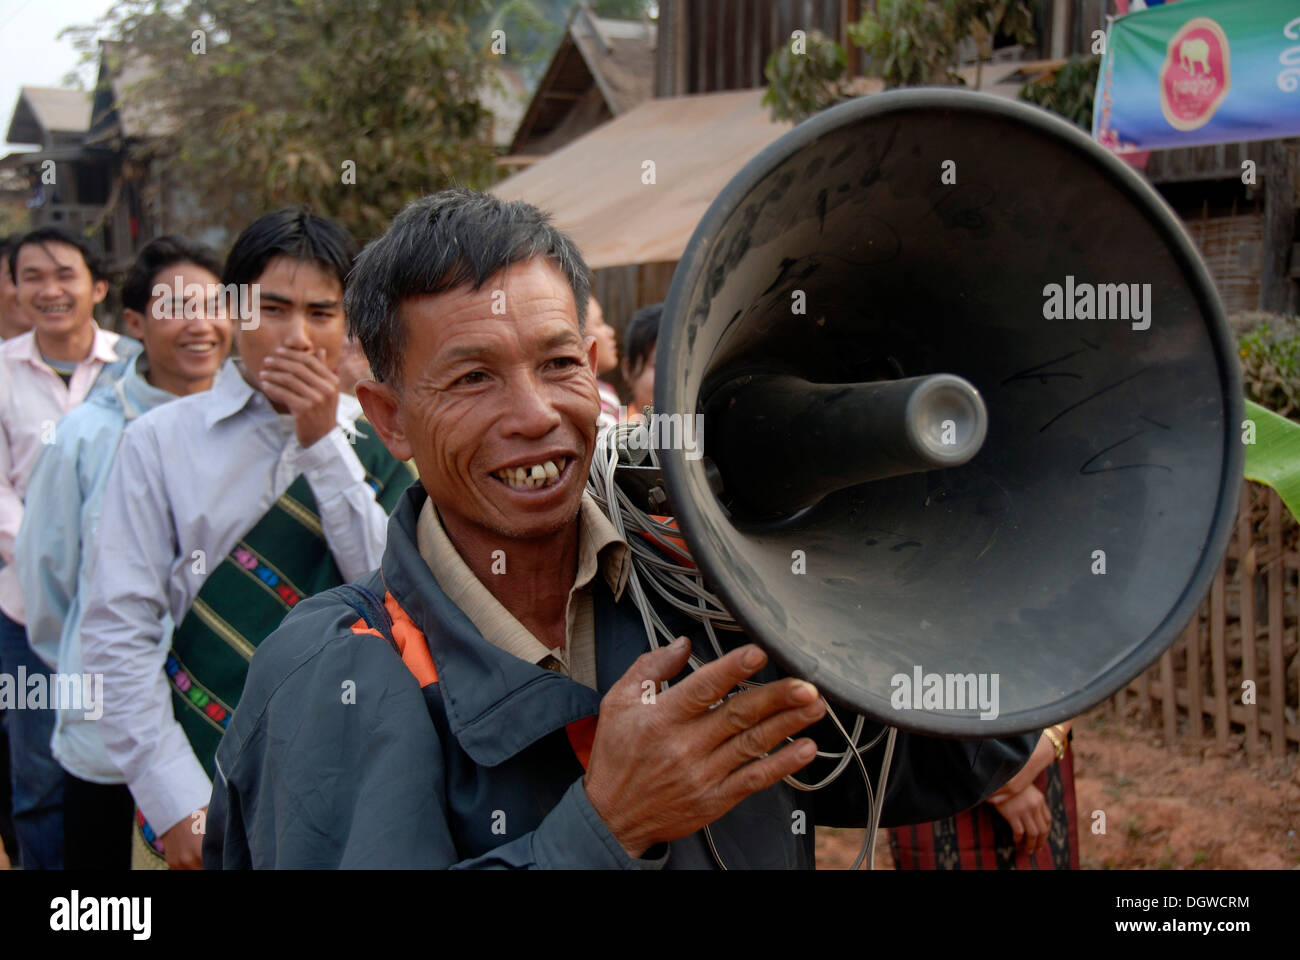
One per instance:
(1274, 457)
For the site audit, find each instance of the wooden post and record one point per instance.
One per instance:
(1276, 668)
(700, 45)
(714, 26)
(670, 55)
(1194, 716)
(848, 10)
(1218, 658)
(1246, 577)
(1275, 286)
(1060, 21)
(1168, 705)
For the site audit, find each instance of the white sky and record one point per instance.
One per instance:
(29, 53)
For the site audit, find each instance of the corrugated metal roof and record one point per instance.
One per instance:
(600, 67)
(594, 187)
(620, 56)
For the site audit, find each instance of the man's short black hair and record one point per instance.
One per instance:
(449, 239)
(291, 232)
(641, 336)
(43, 235)
(157, 255)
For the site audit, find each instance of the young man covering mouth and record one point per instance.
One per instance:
(223, 511)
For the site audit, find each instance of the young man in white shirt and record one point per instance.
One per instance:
(224, 510)
(12, 322)
(43, 374)
(186, 340)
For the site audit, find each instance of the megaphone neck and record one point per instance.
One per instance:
(826, 437)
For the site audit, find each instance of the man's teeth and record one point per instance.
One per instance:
(538, 475)
(57, 308)
(199, 347)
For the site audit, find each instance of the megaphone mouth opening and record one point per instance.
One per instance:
(946, 420)
(839, 273)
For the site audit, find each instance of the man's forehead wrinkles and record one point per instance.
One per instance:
(561, 337)
(487, 303)
(482, 346)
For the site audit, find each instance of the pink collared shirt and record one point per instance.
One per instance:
(32, 400)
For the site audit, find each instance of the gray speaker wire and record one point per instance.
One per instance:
(682, 588)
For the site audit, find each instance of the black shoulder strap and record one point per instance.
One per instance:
(367, 605)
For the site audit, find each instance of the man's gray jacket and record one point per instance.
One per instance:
(457, 754)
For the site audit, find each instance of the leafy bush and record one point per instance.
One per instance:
(1068, 91)
(801, 84)
(1269, 349)
(912, 42)
(906, 42)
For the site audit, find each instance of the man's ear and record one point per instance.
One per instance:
(381, 404)
(99, 291)
(592, 350)
(134, 323)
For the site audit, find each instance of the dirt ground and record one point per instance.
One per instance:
(1180, 808)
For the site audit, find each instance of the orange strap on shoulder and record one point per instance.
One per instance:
(409, 639)
(415, 654)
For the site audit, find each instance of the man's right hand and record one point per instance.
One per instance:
(183, 843)
(663, 769)
(300, 382)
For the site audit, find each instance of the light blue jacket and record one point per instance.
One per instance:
(60, 517)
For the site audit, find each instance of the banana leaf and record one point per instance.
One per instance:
(1274, 457)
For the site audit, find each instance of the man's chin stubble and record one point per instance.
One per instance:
(509, 532)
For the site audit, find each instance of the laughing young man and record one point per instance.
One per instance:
(44, 373)
(224, 510)
(183, 351)
(477, 744)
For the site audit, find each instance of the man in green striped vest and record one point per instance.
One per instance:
(223, 511)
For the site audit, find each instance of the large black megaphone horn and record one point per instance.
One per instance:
(974, 407)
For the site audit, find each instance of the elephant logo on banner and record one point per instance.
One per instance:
(1195, 76)
(1194, 52)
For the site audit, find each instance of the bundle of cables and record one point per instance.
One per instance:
(655, 542)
